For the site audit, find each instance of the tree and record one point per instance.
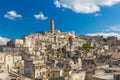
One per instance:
(110, 65)
(104, 39)
(52, 77)
(87, 47)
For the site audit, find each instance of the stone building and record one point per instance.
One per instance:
(52, 26)
(15, 43)
(18, 54)
(55, 72)
(35, 68)
(54, 39)
(4, 75)
(12, 62)
(77, 75)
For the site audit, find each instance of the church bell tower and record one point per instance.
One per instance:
(52, 26)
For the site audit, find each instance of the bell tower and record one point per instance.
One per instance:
(52, 26)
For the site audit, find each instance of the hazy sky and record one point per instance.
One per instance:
(20, 17)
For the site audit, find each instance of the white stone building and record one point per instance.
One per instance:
(11, 61)
(15, 43)
(77, 76)
(35, 68)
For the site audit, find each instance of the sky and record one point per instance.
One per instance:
(84, 17)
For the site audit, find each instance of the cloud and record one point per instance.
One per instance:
(115, 28)
(12, 15)
(98, 14)
(57, 3)
(107, 30)
(40, 16)
(3, 40)
(84, 6)
(104, 34)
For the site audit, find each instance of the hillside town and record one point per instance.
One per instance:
(57, 55)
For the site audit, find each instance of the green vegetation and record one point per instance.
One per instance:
(87, 47)
(52, 77)
(48, 51)
(110, 65)
(59, 52)
(104, 39)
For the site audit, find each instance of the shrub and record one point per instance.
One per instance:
(110, 65)
(87, 47)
